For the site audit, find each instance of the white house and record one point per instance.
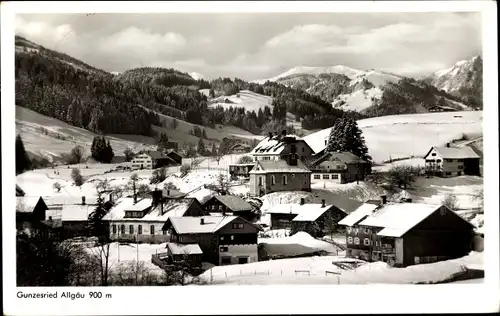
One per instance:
(274, 147)
(451, 161)
(143, 220)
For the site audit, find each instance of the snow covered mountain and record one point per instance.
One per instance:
(464, 74)
(197, 76)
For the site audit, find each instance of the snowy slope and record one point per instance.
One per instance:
(339, 69)
(358, 100)
(463, 74)
(249, 100)
(406, 135)
(197, 76)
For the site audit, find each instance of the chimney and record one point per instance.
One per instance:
(302, 201)
(83, 200)
(135, 198)
(270, 135)
(168, 192)
(202, 221)
(283, 133)
(323, 203)
(383, 198)
(448, 145)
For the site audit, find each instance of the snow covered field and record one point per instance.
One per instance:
(397, 136)
(315, 270)
(249, 100)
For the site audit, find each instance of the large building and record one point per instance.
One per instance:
(275, 147)
(156, 159)
(338, 167)
(404, 234)
(222, 239)
(451, 161)
(288, 174)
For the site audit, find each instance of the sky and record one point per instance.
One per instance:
(254, 46)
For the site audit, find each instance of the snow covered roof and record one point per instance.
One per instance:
(312, 213)
(268, 146)
(193, 225)
(454, 152)
(171, 208)
(69, 199)
(26, 204)
(342, 157)
(19, 191)
(357, 215)
(76, 212)
(278, 166)
(187, 249)
(235, 203)
(140, 205)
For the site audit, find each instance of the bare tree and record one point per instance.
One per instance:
(450, 201)
(403, 176)
(375, 177)
(57, 186)
(77, 177)
(129, 155)
(76, 154)
(223, 182)
(134, 178)
(195, 162)
(245, 159)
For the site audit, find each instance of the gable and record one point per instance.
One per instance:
(443, 219)
(195, 209)
(430, 152)
(248, 227)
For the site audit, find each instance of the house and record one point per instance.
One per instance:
(191, 253)
(30, 213)
(75, 219)
(230, 205)
(241, 170)
(275, 147)
(223, 239)
(156, 159)
(299, 215)
(451, 161)
(240, 148)
(338, 167)
(441, 108)
(404, 234)
(324, 217)
(287, 174)
(142, 220)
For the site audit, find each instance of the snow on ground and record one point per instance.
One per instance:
(416, 162)
(313, 270)
(61, 137)
(398, 136)
(359, 100)
(433, 190)
(353, 191)
(249, 100)
(131, 252)
(298, 244)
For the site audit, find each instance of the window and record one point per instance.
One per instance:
(114, 229)
(438, 160)
(293, 175)
(433, 154)
(326, 176)
(139, 229)
(366, 230)
(237, 226)
(442, 211)
(273, 180)
(356, 240)
(335, 176)
(366, 242)
(459, 173)
(356, 230)
(284, 180)
(260, 181)
(131, 229)
(348, 230)
(317, 177)
(164, 232)
(303, 149)
(152, 229)
(123, 229)
(225, 260)
(223, 249)
(232, 237)
(448, 173)
(460, 167)
(349, 240)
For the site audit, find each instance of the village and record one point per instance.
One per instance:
(227, 217)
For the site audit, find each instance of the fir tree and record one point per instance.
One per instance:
(23, 161)
(201, 147)
(346, 136)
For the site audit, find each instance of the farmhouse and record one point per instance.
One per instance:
(441, 108)
(450, 161)
(223, 239)
(279, 175)
(191, 253)
(240, 148)
(229, 205)
(142, 220)
(241, 170)
(403, 234)
(156, 159)
(30, 213)
(338, 167)
(324, 217)
(275, 147)
(75, 219)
